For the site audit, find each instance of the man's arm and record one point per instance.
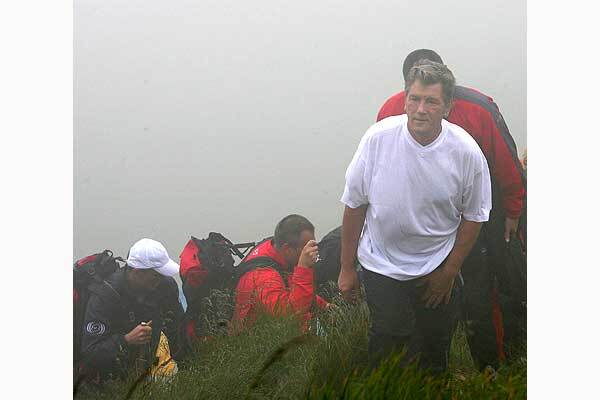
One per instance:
(441, 280)
(277, 298)
(467, 234)
(101, 346)
(505, 167)
(356, 200)
(352, 225)
(476, 205)
(272, 292)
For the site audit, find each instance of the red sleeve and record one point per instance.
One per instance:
(276, 297)
(321, 302)
(503, 166)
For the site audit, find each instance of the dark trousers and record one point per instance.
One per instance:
(477, 306)
(399, 320)
(492, 265)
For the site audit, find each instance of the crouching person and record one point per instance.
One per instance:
(278, 276)
(124, 316)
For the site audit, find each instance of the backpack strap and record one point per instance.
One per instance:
(102, 287)
(260, 262)
(241, 249)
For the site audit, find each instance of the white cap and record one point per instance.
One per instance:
(150, 254)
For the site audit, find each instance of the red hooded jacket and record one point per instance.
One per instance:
(265, 289)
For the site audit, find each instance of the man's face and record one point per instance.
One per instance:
(292, 253)
(425, 107)
(146, 280)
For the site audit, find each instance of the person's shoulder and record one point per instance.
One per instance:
(460, 138)
(471, 94)
(392, 106)
(167, 282)
(467, 100)
(385, 127)
(393, 99)
(104, 297)
(112, 290)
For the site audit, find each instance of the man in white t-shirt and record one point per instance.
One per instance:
(418, 188)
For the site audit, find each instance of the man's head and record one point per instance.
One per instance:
(429, 90)
(417, 55)
(148, 262)
(291, 235)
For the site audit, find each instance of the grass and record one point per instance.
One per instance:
(274, 360)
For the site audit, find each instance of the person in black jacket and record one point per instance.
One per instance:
(126, 313)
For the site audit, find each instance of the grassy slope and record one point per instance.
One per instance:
(325, 367)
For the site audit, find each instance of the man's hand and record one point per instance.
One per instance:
(510, 228)
(348, 283)
(309, 254)
(141, 334)
(437, 285)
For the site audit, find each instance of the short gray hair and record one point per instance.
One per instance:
(430, 73)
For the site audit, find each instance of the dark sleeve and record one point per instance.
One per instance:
(102, 347)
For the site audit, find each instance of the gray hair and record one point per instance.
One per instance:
(430, 73)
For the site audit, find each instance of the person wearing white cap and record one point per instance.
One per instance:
(119, 314)
(150, 254)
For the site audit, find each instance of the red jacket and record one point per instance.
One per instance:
(264, 288)
(477, 114)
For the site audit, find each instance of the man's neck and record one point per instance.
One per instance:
(425, 139)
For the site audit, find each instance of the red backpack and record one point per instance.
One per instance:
(206, 265)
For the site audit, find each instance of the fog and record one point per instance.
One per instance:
(199, 116)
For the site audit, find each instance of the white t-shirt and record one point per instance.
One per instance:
(416, 195)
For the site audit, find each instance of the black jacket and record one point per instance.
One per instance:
(113, 311)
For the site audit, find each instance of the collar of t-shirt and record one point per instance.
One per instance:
(429, 147)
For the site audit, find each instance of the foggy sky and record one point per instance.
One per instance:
(199, 116)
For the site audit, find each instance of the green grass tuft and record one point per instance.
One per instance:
(275, 360)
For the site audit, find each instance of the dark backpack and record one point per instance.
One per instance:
(327, 269)
(258, 262)
(207, 265)
(90, 270)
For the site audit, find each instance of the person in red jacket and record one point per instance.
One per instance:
(277, 276)
(477, 114)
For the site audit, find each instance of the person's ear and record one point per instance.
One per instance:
(449, 108)
(285, 249)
